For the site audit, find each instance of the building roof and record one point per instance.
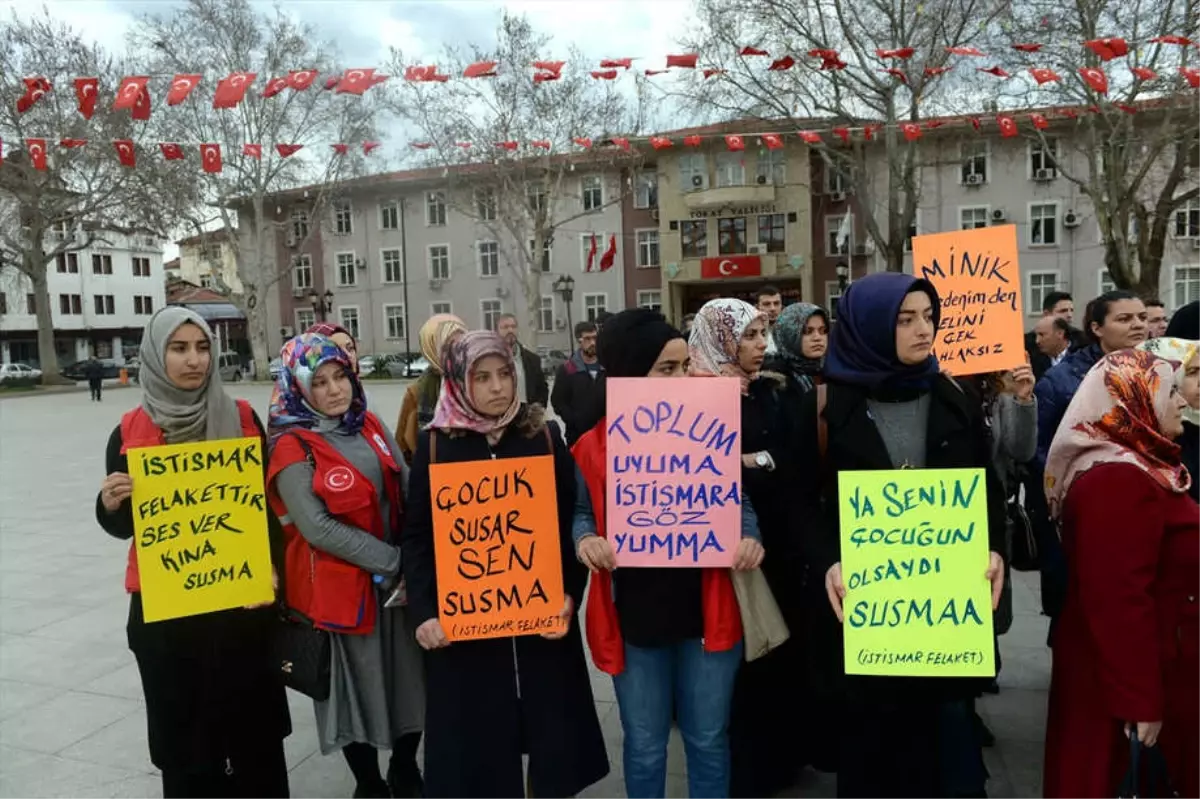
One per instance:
(181, 292)
(207, 237)
(171, 265)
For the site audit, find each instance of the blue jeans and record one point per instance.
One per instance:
(698, 686)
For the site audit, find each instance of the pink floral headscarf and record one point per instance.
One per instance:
(454, 410)
(716, 333)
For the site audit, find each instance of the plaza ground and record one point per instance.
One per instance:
(72, 721)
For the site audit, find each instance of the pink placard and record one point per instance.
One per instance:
(674, 471)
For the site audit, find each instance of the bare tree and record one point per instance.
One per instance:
(218, 38)
(480, 132)
(1127, 150)
(865, 64)
(45, 214)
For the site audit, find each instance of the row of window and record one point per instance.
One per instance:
(67, 263)
(770, 168)
(72, 304)
(731, 235)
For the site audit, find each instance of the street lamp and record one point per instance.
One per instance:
(564, 287)
(321, 309)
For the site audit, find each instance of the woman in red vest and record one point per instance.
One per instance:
(493, 700)
(217, 713)
(335, 479)
(670, 637)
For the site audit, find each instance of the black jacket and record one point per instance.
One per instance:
(536, 388)
(578, 398)
(1040, 363)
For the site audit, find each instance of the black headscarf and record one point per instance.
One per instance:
(1185, 323)
(630, 342)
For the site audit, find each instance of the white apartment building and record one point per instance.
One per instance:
(100, 299)
(208, 259)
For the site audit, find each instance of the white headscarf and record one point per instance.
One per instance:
(1179, 353)
(203, 414)
(716, 334)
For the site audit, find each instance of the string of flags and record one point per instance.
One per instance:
(211, 160)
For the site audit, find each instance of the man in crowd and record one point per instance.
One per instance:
(1057, 304)
(93, 370)
(770, 301)
(1052, 335)
(531, 383)
(578, 396)
(1156, 319)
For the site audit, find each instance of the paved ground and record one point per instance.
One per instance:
(72, 722)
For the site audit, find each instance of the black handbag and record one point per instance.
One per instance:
(1024, 555)
(301, 654)
(1157, 781)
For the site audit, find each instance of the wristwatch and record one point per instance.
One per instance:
(762, 460)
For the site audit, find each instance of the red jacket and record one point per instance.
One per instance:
(137, 430)
(334, 594)
(722, 618)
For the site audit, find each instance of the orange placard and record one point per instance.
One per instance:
(979, 283)
(497, 547)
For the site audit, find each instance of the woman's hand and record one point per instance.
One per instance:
(596, 553)
(995, 576)
(1147, 731)
(749, 555)
(1022, 377)
(115, 489)
(274, 588)
(835, 589)
(431, 636)
(565, 616)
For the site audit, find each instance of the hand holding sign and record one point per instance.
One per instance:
(115, 489)
(1022, 376)
(597, 554)
(431, 636)
(565, 617)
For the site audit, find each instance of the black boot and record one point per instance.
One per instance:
(403, 776)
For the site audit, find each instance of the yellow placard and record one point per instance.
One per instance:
(200, 525)
(914, 563)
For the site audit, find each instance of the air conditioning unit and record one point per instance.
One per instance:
(501, 291)
(435, 284)
(999, 215)
(361, 263)
(757, 249)
(974, 180)
(654, 214)
(1043, 175)
(837, 196)
(297, 291)
(697, 181)
(1071, 219)
(560, 324)
(1196, 242)
(761, 180)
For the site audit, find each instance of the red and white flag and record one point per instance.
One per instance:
(125, 153)
(274, 87)
(210, 157)
(610, 255)
(301, 79)
(181, 87)
(591, 256)
(232, 89)
(85, 92)
(171, 151)
(252, 150)
(37, 153)
(285, 150)
(130, 91)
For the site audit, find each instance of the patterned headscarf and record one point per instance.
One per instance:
(291, 406)
(455, 409)
(789, 333)
(716, 333)
(434, 334)
(1179, 353)
(1115, 418)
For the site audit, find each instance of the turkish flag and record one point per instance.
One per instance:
(610, 255)
(1180, 40)
(999, 72)
(975, 123)
(652, 72)
(252, 150)
(1043, 76)
(130, 90)
(210, 157)
(585, 143)
(542, 77)
(730, 266)
(35, 89)
(274, 87)
(368, 146)
(71, 143)
(1143, 73)
(285, 150)
(591, 257)
(1095, 78)
(735, 143)
(692, 141)
(911, 131)
(357, 81)
(422, 145)
(686, 61)
(1191, 75)
(782, 64)
(181, 87)
(85, 92)
(843, 134)
(610, 63)
(604, 74)
(709, 72)
(1039, 121)
(427, 74)
(934, 124)
(901, 52)
(301, 79)
(1108, 49)
(541, 144)
(480, 69)
(933, 72)
(511, 146)
(620, 141)
(141, 109)
(963, 51)
(1008, 126)
(898, 73)
(331, 83)
(752, 51)
(37, 153)
(550, 66)
(340, 149)
(1027, 48)
(810, 136)
(171, 152)
(773, 141)
(232, 89)
(660, 142)
(125, 152)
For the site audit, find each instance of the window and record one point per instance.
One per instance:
(439, 262)
(3, 303)
(302, 271)
(546, 245)
(833, 226)
(349, 318)
(647, 248)
(1187, 221)
(1106, 282)
(1043, 225)
(546, 314)
(973, 218)
(143, 305)
(31, 303)
(485, 204)
(206, 281)
(104, 304)
(343, 218)
(693, 238)
(104, 349)
(489, 258)
(489, 312)
(1187, 285)
(592, 188)
(594, 305)
(141, 267)
(771, 236)
(389, 215)
(693, 171)
(650, 298)
(435, 208)
(393, 266)
(837, 179)
(645, 191)
(731, 169)
(833, 293)
(299, 225)
(535, 195)
(436, 308)
(69, 262)
(59, 231)
(1040, 284)
(974, 162)
(393, 316)
(305, 318)
(70, 304)
(345, 269)
(101, 264)
(1041, 159)
(771, 167)
(731, 235)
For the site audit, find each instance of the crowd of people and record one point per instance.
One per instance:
(1093, 440)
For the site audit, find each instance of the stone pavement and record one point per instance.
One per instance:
(72, 721)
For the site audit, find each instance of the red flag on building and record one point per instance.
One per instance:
(591, 256)
(610, 255)
(210, 158)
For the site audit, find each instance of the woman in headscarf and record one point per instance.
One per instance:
(339, 336)
(769, 749)
(887, 406)
(1184, 356)
(670, 637)
(336, 479)
(492, 700)
(416, 411)
(1126, 645)
(215, 710)
(802, 332)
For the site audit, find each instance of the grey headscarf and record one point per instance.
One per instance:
(789, 332)
(205, 414)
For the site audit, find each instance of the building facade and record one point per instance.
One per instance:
(208, 260)
(100, 297)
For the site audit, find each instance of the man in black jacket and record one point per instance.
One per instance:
(531, 383)
(578, 396)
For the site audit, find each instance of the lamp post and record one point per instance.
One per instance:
(321, 304)
(564, 287)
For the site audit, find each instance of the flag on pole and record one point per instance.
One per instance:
(843, 233)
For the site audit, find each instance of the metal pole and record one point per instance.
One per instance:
(404, 275)
(567, 297)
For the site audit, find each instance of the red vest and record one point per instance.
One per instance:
(722, 618)
(137, 430)
(333, 594)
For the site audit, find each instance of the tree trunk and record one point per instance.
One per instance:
(533, 306)
(260, 341)
(36, 267)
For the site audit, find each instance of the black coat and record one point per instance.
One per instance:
(891, 726)
(1040, 363)
(210, 689)
(536, 388)
(477, 726)
(578, 397)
